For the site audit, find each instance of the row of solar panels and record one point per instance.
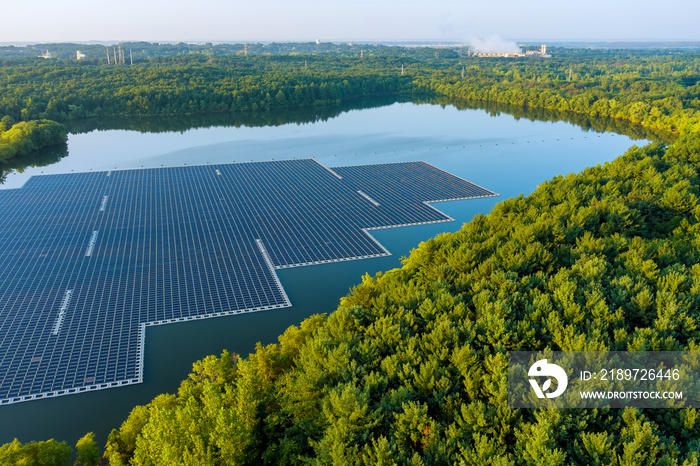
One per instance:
(90, 259)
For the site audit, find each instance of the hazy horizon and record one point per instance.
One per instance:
(83, 21)
(427, 41)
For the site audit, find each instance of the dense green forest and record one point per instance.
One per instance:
(411, 368)
(641, 95)
(61, 90)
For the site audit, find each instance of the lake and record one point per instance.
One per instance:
(506, 154)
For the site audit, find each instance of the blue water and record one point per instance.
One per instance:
(507, 155)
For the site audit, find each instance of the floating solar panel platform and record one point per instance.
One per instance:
(89, 260)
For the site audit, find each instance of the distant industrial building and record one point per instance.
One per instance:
(46, 54)
(542, 53)
(535, 53)
(79, 55)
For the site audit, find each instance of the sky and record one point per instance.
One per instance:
(335, 20)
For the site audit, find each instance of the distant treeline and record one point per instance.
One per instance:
(191, 84)
(660, 91)
(142, 51)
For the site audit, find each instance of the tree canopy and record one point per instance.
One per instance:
(48, 453)
(26, 137)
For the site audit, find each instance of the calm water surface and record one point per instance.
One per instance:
(507, 155)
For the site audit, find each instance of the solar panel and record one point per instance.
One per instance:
(90, 260)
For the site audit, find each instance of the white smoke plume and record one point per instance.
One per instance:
(493, 44)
